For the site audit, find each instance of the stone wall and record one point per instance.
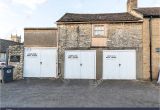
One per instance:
(124, 35)
(18, 66)
(155, 44)
(118, 35)
(146, 48)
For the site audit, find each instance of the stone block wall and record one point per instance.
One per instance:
(18, 66)
(146, 48)
(119, 35)
(155, 44)
(124, 35)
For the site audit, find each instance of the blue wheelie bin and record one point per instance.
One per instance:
(7, 74)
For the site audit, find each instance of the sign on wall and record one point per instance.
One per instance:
(32, 55)
(73, 56)
(15, 58)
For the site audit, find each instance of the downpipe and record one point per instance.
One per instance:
(150, 36)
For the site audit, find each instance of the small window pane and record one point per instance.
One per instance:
(99, 30)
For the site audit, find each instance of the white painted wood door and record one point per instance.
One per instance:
(119, 64)
(127, 63)
(80, 64)
(110, 65)
(31, 62)
(72, 65)
(49, 62)
(88, 65)
(40, 62)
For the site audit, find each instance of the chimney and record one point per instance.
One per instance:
(131, 4)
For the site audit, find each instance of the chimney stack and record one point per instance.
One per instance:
(131, 4)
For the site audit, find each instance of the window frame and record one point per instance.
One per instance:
(98, 26)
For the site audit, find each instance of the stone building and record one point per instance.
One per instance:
(117, 38)
(151, 39)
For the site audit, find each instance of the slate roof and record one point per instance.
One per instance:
(4, 44)
(106, 17)
(152, 11)
(41, 28)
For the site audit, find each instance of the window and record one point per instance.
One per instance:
(99, 30)
(158, 50)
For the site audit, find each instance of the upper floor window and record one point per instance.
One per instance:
(158, 50)
(98, 30)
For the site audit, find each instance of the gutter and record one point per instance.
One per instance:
(150, 35)
(99, 22)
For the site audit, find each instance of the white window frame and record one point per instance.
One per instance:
(98, 25)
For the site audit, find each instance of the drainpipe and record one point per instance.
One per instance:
(150, 35)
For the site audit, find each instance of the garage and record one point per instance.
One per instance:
(80, 64)
(119, 64)
(40, 62)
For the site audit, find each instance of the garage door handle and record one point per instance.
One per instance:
(80, 64)
(119, 65)
(40, 62)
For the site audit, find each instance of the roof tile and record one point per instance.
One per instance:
(111, 17)
(152, 11)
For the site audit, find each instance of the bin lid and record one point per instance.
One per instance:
(8, 66)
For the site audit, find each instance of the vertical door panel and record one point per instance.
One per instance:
(72, 65)
(31, 62)
(128, 67)
(48, 62)
(87, 65)
(111, 65)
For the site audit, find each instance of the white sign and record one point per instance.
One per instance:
(31, 54)
(111, 56)
(73, 56)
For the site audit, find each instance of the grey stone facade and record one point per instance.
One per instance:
(118, 35)
(124, 35)
(18, 66)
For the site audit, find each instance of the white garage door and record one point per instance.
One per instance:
(80, 64)
(40, 62)
(119, 64)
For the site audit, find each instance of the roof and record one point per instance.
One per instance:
(105, 17)
(149, 11)
(40, 28)
(4, 44)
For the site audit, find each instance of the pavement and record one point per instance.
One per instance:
(79, 93)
